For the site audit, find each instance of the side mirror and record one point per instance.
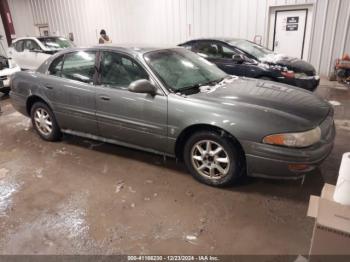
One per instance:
(142, 86)
(239, 59)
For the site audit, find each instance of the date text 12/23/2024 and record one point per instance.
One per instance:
(173, 258)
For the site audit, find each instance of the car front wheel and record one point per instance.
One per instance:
(44, 122)
(212, 159)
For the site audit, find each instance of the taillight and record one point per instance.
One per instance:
(288, 74)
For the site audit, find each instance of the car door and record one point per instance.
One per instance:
(34, 55)
(27, 56)
(69, 85)
(132, 118)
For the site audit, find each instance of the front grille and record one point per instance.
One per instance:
(3, 78)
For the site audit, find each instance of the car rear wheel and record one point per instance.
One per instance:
(212, 159)
(44, 122)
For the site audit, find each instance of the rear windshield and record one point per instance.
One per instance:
(56, 43)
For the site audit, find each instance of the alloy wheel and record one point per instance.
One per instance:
(43, 121)
(210, 159)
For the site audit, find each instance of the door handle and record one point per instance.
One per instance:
(105, 98)
(49, 87)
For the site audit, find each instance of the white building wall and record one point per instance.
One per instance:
(162, 22)
(22, 17)
(3, 41)
(169, 22)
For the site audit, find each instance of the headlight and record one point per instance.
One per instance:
(303, 139)
(12, 64)
(288, 74)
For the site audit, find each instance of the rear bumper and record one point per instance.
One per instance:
(309, 83)
(6, 85)
(277, 162)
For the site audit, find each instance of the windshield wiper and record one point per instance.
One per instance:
(196, 86)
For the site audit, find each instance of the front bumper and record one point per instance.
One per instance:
(5, 86)
(276, 162)
(309, 83)
(5, 77)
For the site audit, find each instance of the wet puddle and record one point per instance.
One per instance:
(8, 186)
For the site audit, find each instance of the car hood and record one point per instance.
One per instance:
(301, 107)
(292, 63)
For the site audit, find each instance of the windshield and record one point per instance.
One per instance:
(180, 69)
(251, 48)
(55, 43)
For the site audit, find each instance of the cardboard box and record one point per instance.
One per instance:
(331, 234)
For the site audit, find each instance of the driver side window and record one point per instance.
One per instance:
(120, 71)
(31, 45)
(227, 52)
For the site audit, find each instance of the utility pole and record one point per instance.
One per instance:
(7, 21)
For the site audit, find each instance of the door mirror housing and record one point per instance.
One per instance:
(239, 59)
(142, 86)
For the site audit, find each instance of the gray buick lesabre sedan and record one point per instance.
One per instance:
(175, 103)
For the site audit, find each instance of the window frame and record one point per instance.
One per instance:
(53, 61)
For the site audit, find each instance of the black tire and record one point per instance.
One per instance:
(5, 92)
(55, 133)
(235, 169)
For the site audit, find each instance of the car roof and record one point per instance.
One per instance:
(221, 39)
(125, 48)
(49, 37)
(25, 38)
(35, 38)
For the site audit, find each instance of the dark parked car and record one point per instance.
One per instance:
(244, 58)
(176, 103)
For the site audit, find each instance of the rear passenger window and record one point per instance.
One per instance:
(214, 50)
(56, 66)
(119, 71)
(207, 49)
(79, 66)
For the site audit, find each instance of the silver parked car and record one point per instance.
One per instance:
(176, 103)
